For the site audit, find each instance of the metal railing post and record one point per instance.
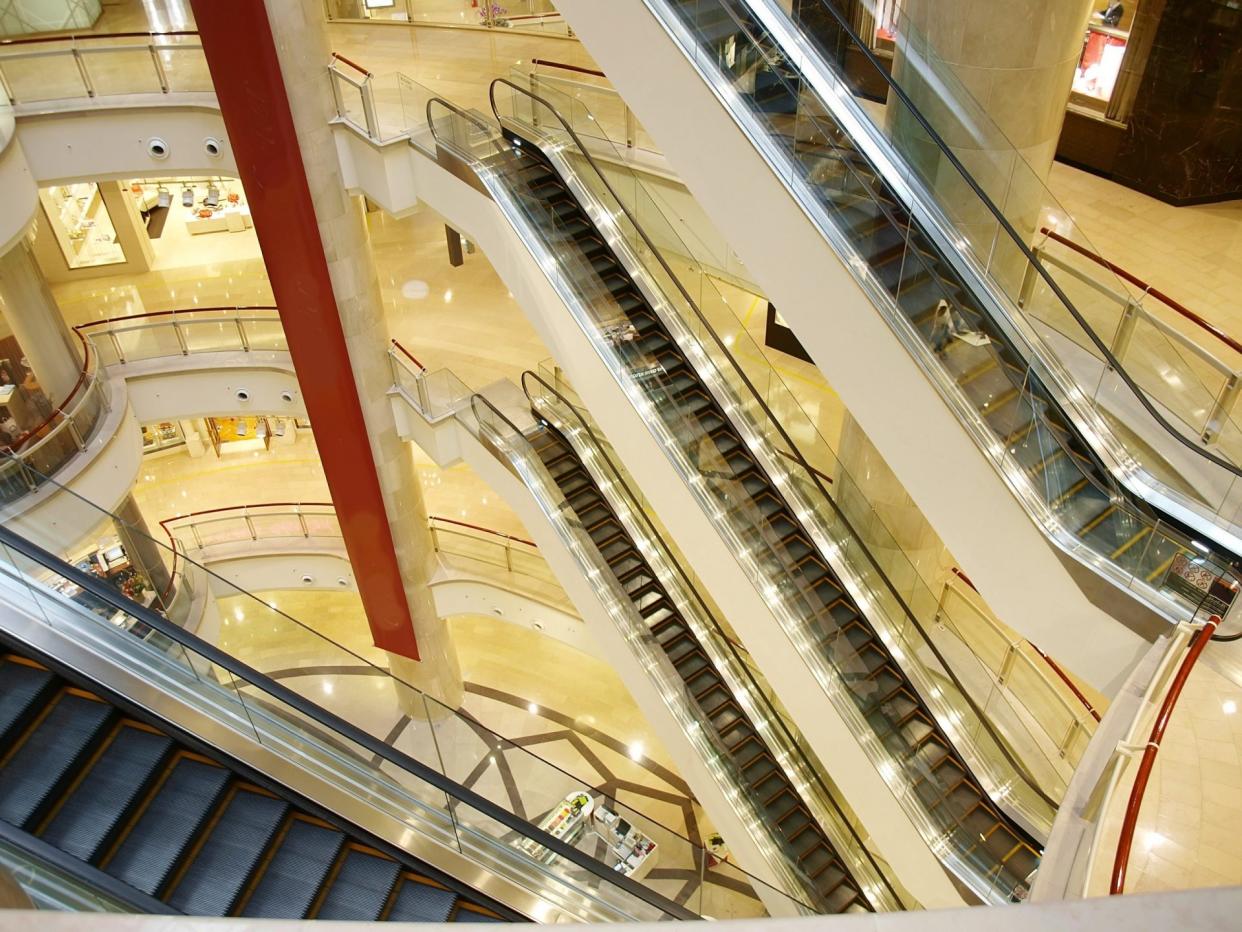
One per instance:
(1029, 276)
(1070, 734)
(241, 334)
(250, 527)
(159, 68)
(1125, 330)
(1223, 407)
(76, 434)
(85, 75)
(368, 109)
(116, 346)
(335, 81)
(181, 341)
(424, 401)
(1007, 664)
(302, 522)
(630, 132)
(8, 90)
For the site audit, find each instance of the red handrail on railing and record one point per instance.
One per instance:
(1056, 667)
(408, 355)
(564, 67)
(1156, 293)
(71, 37)
(172, 542)
(357, 67)
(183, 310)
(1122, 860)
(485, 530)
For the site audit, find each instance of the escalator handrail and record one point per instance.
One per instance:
(465, 114)
(102, 590)
(793, 448)
(1113, 362)
(707, 613)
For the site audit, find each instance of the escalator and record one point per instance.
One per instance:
(977, 831)
(128, 798)
(806, 844)
(952, 315)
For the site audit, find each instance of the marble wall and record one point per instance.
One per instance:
(1184, 139)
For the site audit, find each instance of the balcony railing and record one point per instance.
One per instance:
(472, 548)
(102, 65)
(1202, 376)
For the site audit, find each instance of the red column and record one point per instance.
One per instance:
(241, 55)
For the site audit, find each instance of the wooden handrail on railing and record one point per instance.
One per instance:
(564, 67)
(1056, 667)
(352, 64)
(1122, 860)
(71, 37)
(1156, 293)
(408, 355)
(184, 310)
(484, 530)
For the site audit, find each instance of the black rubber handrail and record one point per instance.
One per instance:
(1113, 362)
(1018, 767)
(100, 589)
(707, 613)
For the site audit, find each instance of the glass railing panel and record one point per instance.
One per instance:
(185, 67)
(50, 888)
(120, 343)
(51, 74)
(121, 70)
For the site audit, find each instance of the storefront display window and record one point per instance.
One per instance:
(886, 13)
(161, 436)
(1103, 51)
(239, 434)
(81, 224)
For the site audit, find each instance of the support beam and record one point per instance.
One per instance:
(241, 54)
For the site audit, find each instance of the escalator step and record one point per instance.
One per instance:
(421, 902)
(180, 808)
(361, 887)
(46, 759)
(296, 872)
(119, 777)
(24, 690)
(225, 862)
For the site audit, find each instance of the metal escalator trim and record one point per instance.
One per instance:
(100, 589)
(92, 877)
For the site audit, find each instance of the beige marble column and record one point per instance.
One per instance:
(302, 46)
(1016, 59)
(32, 314)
